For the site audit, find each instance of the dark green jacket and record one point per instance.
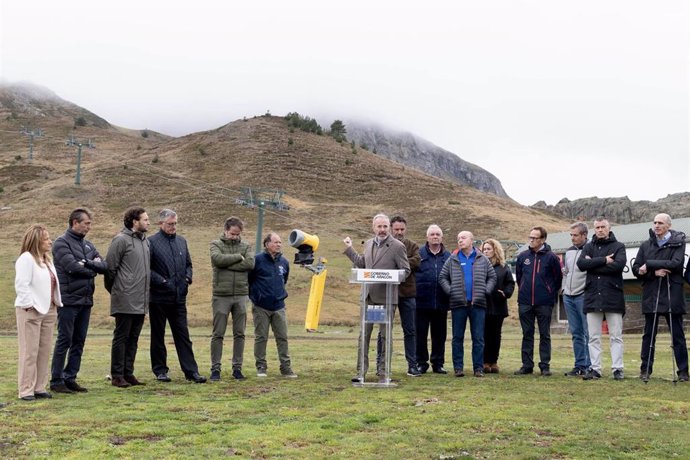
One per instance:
(231, 261)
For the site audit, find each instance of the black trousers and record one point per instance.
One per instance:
(493, 325)
(542, 314)
(680, 349)
(436, 322)
(125, 343)
(176, 316)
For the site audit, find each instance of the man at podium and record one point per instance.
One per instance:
(385, 253)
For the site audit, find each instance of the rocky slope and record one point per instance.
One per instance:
(420, 154)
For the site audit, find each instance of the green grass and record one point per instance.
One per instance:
(320, 414)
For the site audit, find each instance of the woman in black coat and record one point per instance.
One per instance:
(496, 304)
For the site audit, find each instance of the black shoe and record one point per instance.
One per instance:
(459, 373)
(215, 376)
(196, 378)
(575, 372)
(423, 368)
(74, 386)
(546, 372)
(591, 374)
(61, 388)
(357, 379)
(683, 376)
(237, 375)
(163, 377)
(132, 380)
(28, 398)
(43, 395)
(412, 371)
(644, 376)
(523, 371)
(618, 374)
(439, 370)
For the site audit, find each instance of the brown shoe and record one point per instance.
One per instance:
(494, 368)
(120, 382)
(132, 380)
(487, 368)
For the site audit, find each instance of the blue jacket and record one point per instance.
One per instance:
(430, 296)
(267, 281)
(539, 276)
(76, 268)
(171, 268)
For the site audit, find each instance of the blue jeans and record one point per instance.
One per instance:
(73, 324)
(577, 323)
(459, 318)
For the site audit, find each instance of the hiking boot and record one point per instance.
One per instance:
(413, 371)
(74, 386)
(523, 371)
(459, 373)
(591, 374)
(61, 388)
(215, 376)
(494, 368)
(575, 372)
(479, 372)
(487, 368)
(237, 375)
(618, 374)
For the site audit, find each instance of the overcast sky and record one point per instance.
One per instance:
(556, 98)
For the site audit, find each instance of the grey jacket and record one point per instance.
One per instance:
(129, 272)
(452, 281)
(574, 278)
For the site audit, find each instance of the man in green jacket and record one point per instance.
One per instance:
(232, 259)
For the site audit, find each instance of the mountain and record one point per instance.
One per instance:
(410, 150)
(620, 210)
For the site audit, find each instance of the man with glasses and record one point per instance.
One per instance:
(539, 276)
(574, 299)
(171, 275)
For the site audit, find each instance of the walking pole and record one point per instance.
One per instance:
(670, 326)
(653, 338)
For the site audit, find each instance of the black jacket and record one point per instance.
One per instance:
(604, 284)
(76, 269)
(497, 303)
(171, 268)
(667, 288)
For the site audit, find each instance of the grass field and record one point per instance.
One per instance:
(321, 415)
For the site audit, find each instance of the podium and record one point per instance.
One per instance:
(376, 314)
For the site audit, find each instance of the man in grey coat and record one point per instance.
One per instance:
(127, 280)
(385, 253)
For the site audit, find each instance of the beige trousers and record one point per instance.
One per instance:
(35, 336)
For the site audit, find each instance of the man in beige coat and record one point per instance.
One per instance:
(382, 252)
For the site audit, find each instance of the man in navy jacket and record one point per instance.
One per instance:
(77, 262)
(267, 292)
(171, 275)
(539, 276)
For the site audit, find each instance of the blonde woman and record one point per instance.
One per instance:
(497, 304)
(38, 298)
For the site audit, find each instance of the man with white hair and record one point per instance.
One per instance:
(432, 303)
(659, 265)
(381, 252)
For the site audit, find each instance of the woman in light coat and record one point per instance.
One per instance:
(38, 298)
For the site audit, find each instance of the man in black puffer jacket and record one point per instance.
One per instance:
(171, 275)
(77, 263)
(604, 259)
(659, 265)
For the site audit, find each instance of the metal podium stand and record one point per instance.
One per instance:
(377, 314)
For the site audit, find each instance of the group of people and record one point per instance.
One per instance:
(474, 283)
(55, 283)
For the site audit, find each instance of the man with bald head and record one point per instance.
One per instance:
(467, 277)
(381, 252)
(659, 265)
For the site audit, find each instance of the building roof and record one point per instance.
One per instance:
(632, 235)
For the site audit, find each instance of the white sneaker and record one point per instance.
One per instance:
(261, 373)
(290, 375)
